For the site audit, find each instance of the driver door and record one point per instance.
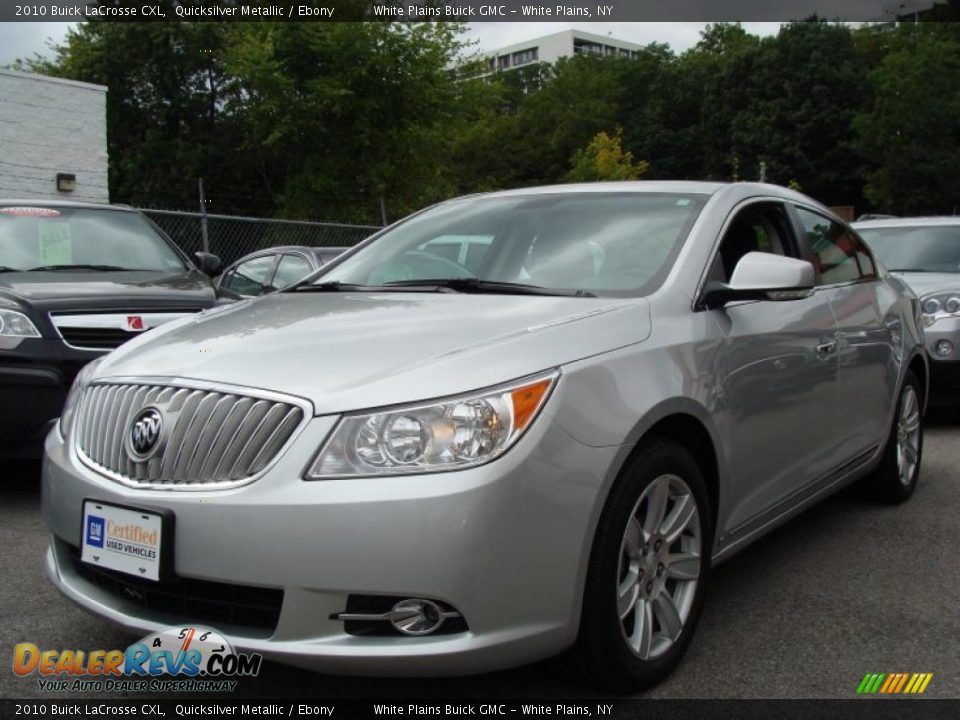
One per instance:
(775, 382)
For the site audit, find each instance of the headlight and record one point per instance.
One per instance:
(940, 305)
(16, 324)
(69, 412)
(450, 434)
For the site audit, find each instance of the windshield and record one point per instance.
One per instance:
(918, 249)
(611, 244)
(50, 238)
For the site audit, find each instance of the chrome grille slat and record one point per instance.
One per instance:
(228, 432)
(116, 446)
(198, 423)
(107, 407)
(212, 437)
(232, 452)
(175, 444)
(273, 415)
(204, 438)
(272, 444)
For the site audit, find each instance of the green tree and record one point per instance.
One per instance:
(349, 113)
(789, 101)
(911, 131)
(166, 111)
(604, 159)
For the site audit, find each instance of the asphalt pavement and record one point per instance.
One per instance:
(848, 588)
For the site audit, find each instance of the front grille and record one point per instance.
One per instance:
(199, 601)
(207, 437)
(97, 338)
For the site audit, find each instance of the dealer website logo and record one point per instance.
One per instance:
(197, 659)
(894, 683)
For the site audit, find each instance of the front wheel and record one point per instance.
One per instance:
(896, 478)
(648, 570)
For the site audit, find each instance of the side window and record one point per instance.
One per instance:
(290, 269)
(834, 248)
(867, 267)
(250, 277)
(756, 228)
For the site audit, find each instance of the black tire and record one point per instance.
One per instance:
(886, 483)
(602, 652)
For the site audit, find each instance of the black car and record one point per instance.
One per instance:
(273, 269)
(76, 281)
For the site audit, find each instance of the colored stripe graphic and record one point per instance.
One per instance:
(894, 683)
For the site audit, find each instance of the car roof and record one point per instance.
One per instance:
(279, 249)
(733, 191)
(929, 221)
(36, 202)
(672, 186)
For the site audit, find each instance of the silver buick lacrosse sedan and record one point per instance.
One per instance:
(507, 426)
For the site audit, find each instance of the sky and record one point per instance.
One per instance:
(21, 39)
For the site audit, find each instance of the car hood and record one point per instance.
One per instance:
(348, 351)
(923, 283)
(91, 289)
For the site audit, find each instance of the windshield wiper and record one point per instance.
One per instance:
(476, 285)
(4, 268)
(105, 268)
(330, 286)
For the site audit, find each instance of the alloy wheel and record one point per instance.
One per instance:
(908, 435)
(659, 567)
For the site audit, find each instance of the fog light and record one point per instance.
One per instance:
(384, 615)
(944, 348)
(416, 617)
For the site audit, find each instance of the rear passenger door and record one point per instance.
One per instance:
(868, 332)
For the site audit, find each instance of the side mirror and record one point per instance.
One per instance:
(762, 276)
(208, 263)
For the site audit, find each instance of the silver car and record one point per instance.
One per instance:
(403, 466)
(925, 253)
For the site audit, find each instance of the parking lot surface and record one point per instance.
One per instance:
(848, 588)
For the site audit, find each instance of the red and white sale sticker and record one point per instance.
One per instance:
(30, 212)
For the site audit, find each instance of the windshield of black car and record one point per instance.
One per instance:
(40, 237)
(605, 243)
(927, 248)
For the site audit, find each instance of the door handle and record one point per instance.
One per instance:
(827, 347)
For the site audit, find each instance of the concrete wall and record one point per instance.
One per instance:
(50, 126)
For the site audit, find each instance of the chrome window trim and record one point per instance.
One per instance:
(305, 406)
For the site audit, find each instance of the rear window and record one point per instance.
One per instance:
(33, 237)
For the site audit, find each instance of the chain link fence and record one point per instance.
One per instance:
(233, 236)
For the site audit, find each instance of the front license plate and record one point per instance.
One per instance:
(121, 539)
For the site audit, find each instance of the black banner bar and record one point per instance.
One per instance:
(580, 11)
(594, 709)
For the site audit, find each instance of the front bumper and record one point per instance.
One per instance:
(944, 370)
(35, 376)
(505, 544)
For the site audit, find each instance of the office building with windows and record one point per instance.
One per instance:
(550, 48)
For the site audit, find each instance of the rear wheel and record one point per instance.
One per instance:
(896, 478)
(648, 570)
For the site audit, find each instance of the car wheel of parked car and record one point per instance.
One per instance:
(648, 570)
(896, 478)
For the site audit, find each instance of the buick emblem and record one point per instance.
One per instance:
(143, 439)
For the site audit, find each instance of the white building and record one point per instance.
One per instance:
(53, 138)
(550, 48)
